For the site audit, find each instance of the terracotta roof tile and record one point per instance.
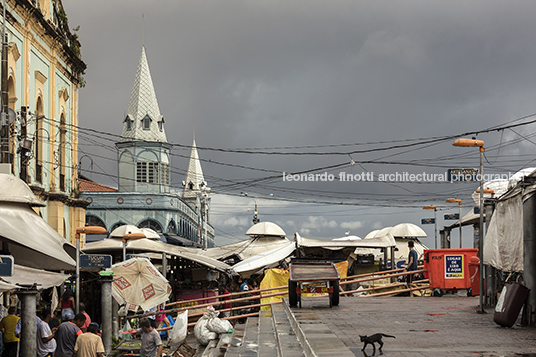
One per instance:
(88, 185)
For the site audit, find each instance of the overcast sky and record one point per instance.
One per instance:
(313, 75)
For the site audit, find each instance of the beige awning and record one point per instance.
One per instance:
(32, 242)
(150, 245)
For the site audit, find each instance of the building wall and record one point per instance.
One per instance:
(44, 76)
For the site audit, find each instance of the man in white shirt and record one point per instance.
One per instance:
(46, 344)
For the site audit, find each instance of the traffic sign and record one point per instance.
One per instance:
(6, 265)
(428, 221)
(462, 175)
(95, 261)
(451, 216)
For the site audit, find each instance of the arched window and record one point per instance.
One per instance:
(39, 140)
(151, 223)
(62, 156)
(117, 225)
(92, 220)
(172, 227)
(146, 122)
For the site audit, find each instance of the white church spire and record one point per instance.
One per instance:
(194, 181)
(143, 121)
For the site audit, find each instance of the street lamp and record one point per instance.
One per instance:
(85, 230)
(127, 237)
(479, 144)
(255, 216)
(435, 220)
(457, 200)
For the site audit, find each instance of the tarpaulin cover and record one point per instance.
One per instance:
(503, 245)
(279, 277)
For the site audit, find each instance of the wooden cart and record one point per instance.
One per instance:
(313, 277)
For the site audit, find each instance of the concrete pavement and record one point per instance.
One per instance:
(423, 326)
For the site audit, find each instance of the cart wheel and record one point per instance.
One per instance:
(292, 295)
(334, 296)
(469, 292)
(437, 292)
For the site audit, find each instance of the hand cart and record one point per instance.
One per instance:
(313, 277)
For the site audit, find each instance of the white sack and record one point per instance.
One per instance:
(503, 245)
(218, 325)
(180, 329)
(202, 334)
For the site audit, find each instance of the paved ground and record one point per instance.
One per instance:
(423, 326)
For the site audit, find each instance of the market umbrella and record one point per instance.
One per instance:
(120, 231)
(137, 282)
(407, 230)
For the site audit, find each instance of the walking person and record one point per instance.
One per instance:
(46, 343)
(89, 344)
(151, 343)
(7, 327)
(67, 334)
(412, 264)
(67, 305)
(82, 310)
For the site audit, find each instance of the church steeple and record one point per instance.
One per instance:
(194, 180)
(143, 121)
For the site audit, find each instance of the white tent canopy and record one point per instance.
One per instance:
(32, 242)
(151, 245)
(264, 259)
(379, 242)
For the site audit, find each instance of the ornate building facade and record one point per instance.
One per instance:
(143, 197)
(39, 140)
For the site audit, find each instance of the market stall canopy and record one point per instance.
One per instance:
(407, 230)
(266, 229)
(264, 236)
(137, 282)
(264, 259)
(347, 238)
(371, 234)
(151, 245)
(32, 242)
(42, 279)
(120, 231)
(378, 242)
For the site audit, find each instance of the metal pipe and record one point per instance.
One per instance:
(481, 235)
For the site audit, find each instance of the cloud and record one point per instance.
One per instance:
(234, 221)
(317, 222)
(351, 225)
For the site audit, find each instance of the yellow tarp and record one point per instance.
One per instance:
(279, 278)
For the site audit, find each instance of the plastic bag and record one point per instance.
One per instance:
(178, 333)
(218, 325)
(122, 312)
(123, 332)
(202, 334)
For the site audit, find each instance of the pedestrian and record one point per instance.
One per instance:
(67, 305)
(7, 327)
(46, 343)
(243, 285)
(82, 310)
(67, 334)
(161, 318)
(152, 318)
(151, 343)
(412, 264)
(223, 291)
(89, 344)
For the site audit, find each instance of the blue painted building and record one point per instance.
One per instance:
(143, 197)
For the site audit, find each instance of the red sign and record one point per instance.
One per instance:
(148, 292)
(122, 283)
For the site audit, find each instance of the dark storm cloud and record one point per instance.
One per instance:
(290, 73)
